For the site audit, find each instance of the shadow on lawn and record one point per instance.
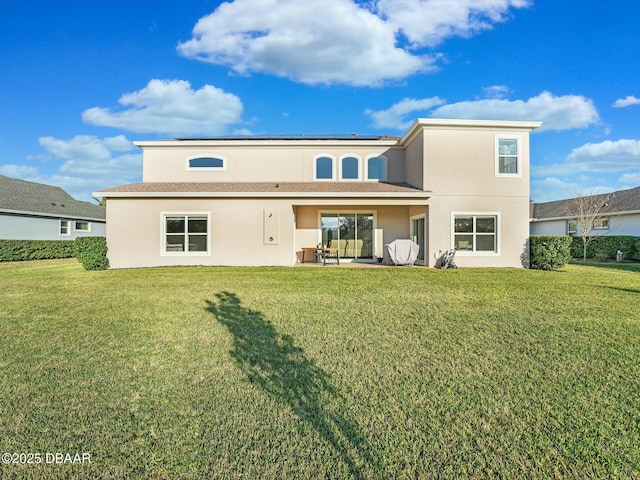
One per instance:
(272, 361)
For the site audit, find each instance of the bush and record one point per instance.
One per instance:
(605, 247)
(550, 252)
(91, 252)
(18, 250)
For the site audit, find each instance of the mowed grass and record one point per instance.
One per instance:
(321, 372)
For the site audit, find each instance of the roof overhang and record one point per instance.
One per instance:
(51, 215)
(299, 194)
(465, 124)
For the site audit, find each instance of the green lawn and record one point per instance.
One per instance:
(321, 372)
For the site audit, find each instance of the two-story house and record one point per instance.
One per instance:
(446, 184)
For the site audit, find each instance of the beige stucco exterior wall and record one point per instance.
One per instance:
(134, 232)
(459, 167)
(264, 162)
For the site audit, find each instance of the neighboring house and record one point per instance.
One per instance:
(619, 215)
(460, 184)
(34, 211)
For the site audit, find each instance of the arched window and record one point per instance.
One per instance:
(350, 168)
(206, 163)
(324, 168)
(377, 168)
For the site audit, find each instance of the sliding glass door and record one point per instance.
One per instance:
(351, 233)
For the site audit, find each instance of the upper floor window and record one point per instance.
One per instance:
(376, 168)
(508, 160)
(206, 163)
(350, 168)
(324, 168)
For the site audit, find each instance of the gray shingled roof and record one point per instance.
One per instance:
(20, 196)
(616, 202)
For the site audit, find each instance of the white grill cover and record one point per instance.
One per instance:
(401, 252)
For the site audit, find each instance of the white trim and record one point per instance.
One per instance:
(333, 167)
(419, 195)
(473, 253)
(189, 168)
(435, 123)
(412, 218)
(519, 143)
(163, 233)
(366, 168)
(340, 160)
(68, 234)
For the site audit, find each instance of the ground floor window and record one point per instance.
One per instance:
(186, 233)
(475, 232)
(64, 227)
(83, 226)
(351, 233)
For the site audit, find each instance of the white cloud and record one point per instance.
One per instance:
(496, 91)
(607, 156)
(551, 188)
(630, 179)
(557, 113)
(88, 164)
(626, 102)
(429, 22)
(18, 171)
(337, 41)
(171, 107)
(394, 116)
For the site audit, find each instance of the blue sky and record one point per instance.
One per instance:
(81, 80)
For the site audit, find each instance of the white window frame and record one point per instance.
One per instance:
(333, 168)
(188, 166)
(68, 222)
(359, 159)
(598, 223)
(163, 233)
(75, 226)
(385, 167)
(572, 231)
(519, 143)
(473, 252)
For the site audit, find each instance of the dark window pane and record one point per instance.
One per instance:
(485, 224)
(197, 243)
(485, 243)
(324, 168)
(206, 162)
(463, 242)
(464, 224)
(350, 168)
(175, 243)
(175, 224)
(375, 168)
(197, 225)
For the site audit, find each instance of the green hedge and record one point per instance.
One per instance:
(18, 250)
(91, 252)
(605, 247)
(550, 252)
